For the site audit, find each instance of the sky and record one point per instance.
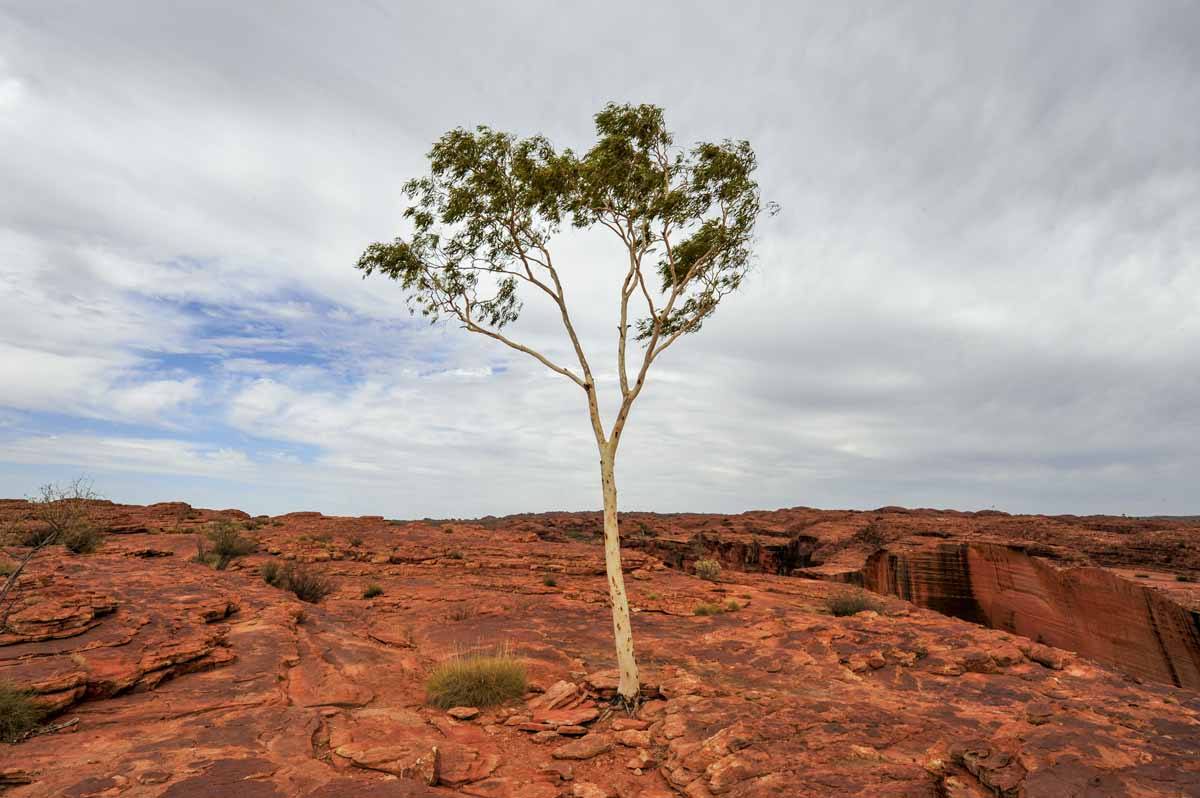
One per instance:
(982, 291)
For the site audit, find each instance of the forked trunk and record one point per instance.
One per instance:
(622, 630)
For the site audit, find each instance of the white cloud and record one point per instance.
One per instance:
(982, 287)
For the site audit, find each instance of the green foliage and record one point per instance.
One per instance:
(455, 555)
(708, 569)
(850, 603)
(492, 202)
(1184, 578)
(19, 713)
(708, 608)
(372, 591)
(732, 605)
(476, 680)
(7, 567)
(355, 542)
(227, 544)
(549, 581)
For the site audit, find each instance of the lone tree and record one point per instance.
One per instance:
(481, 226)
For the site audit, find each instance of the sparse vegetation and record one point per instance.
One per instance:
(708, 569)
(63, 515)
(1142, 576)
(708, 608)
(307, 585)
(462, 612)
(355, 542)
(7, 567)
(227, 545)
(652, 596)
(850, 603)
(270, 573)
(372, 591)
(1184, 578)
(19, 713)
(549, 581)
(476, 680)
(732, 606)
(455, 555)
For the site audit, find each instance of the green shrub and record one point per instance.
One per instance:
(1184, 578)
(356, 541)
(372, 591)
(708, 609)
(270, 573)
(455, 555)
(850, 603)
(708, 569)
(549, 581)
(19, 713)
(7, 567)
(476, 680)
(732, 606)
(308, 585)
(227, 544)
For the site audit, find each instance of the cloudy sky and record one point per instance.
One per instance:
(983, 289)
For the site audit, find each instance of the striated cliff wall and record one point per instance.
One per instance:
(1092, 611)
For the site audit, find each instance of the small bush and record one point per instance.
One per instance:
(83, 539)
(708, 609)
(19, 714)
(270, 573)
(455, 555)
(308, 585)
(1178, 578)
(1142, 576)
(7, 567)
(732, 606)
(227, 544)
(708, 569)
(372, 591)
(356, 541)
(462, 612)
(549, 581)
(652, 596)
(476, 680)
(850, 603)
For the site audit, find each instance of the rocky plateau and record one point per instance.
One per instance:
(1043, 657)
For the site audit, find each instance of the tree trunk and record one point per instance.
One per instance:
(622, 630)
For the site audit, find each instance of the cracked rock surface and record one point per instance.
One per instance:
(186, 681)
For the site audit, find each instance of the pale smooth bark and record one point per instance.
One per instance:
(629, 685)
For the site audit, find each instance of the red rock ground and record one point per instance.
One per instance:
(173, 679)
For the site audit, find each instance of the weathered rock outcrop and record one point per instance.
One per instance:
(185, 681)
(1092, 611)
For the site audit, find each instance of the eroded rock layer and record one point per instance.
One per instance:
(1092, 611)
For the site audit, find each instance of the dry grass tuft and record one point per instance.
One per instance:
(19, 714)
(476, 680)
(850, 603)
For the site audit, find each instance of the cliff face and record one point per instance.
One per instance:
(1092, 611)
